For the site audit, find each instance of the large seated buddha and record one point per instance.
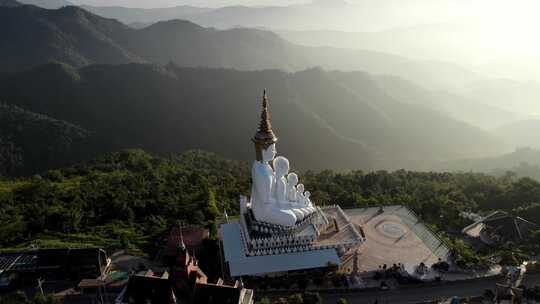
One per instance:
(274, 199)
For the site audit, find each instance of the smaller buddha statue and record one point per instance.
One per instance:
(308, 204)
(300, 198)
(292, 180)
(281, 168)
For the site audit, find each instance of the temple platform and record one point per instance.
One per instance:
(312, 244)
(239, 264)
(393, 234)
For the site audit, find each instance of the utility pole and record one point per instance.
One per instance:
(40, 285)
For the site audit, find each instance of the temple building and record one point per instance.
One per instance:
(185, 282)
(498, 227)
(280, 229)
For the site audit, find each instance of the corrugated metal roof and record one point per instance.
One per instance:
(17, 261)
(240, 264)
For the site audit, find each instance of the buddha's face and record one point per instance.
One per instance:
(292, 178)
(300, 188)
(307, 194)
(269, 153)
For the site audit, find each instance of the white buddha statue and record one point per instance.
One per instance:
(300, 198)
(292, 180)
(307, 201)
(264, 204)
(281, 167)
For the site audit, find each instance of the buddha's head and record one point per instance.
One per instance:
(281, 166)
(300, 188)
(269, 153)
(292, 179)
(307, 194)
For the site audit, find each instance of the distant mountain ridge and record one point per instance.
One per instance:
(522, 133)
(79, 38)
(324, 119)
(311, 15)
(9, 3)
(48, 4)
(69, 35)
(201, 78)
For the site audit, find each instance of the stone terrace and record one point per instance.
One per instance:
(346, 233)
(394, 236)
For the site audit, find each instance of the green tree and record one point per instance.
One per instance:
(17, 297)
(212, 209)
(198, 217)
(312, 298)
(41, 299)
(342, 301)
(295, 299)
(124, 241)
(213, 230)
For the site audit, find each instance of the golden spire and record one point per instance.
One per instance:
(264, 136)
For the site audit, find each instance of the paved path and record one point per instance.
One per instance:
(423, 294)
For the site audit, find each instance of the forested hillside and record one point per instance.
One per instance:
(129, 199)
(31, 142)
(69, 35)
(324, 119)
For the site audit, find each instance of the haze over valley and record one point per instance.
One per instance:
(385, 88)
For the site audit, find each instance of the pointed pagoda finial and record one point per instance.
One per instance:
(265, 135)
(182, 244)
(265, 99)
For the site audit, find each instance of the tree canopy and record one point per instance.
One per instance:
(129, 199)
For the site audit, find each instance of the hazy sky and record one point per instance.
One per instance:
(170, 3)
(498, 28)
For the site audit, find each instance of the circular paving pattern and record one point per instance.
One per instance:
(391, 229)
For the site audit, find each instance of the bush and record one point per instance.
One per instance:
(532, 293)
(312, 298)
(302, 283)
(295, 299)
(534, 267)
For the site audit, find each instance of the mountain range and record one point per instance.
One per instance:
(126, 87)
(48, 4)
(335, 13)
(9, 3)
(324, 119)
(77, 37)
